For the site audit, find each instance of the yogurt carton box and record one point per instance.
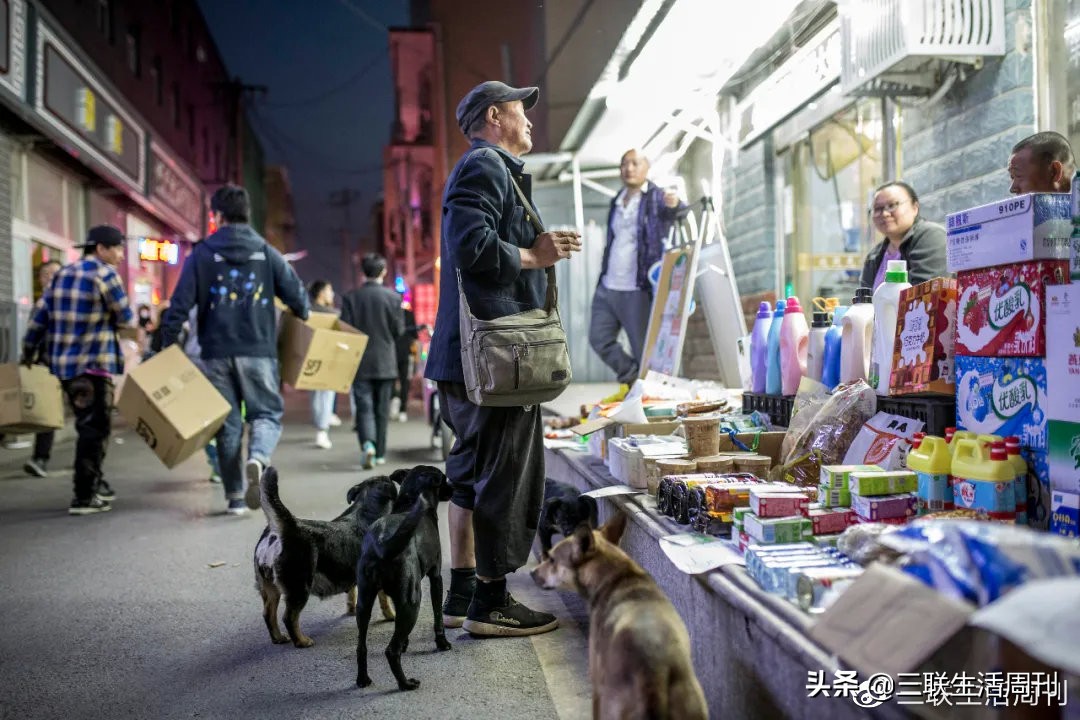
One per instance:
(1001, 311)
(1018, 229)
(1063, 352)
(1063, 457)
(1038, 488)
(1002, 396)
(924, 351)
(1065, 514)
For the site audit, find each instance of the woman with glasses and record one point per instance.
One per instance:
(908, 237)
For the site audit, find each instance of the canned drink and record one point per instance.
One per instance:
(817, 588)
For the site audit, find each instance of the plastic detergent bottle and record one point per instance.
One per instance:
(759, 348)
(830, 366)
(794, 338)
(772, 372)
(932, 464)
(815, 347)
(1020, 466)
(960, 435)
(983, 479)
(988, 440)
(886, 308)
(855, 344)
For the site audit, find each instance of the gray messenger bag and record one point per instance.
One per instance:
(518, 359)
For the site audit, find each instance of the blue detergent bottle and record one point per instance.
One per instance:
(773, 381)
(830, 372)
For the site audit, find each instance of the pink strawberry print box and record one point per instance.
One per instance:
(1002, 310)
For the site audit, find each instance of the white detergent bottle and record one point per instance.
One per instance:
(886, 308)
(815, 349)
(856, 337)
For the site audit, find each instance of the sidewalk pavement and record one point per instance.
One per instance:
(150, 610)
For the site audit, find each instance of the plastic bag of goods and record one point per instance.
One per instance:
(883, 441)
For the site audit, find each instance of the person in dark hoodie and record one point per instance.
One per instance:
(233, 277)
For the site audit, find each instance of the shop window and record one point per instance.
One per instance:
(1060, 48)
(104, 19)
(45, 191)
(829, 179)
(133, 50)
(157, 80)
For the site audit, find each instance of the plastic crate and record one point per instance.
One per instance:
(936, 411)
(777, 407)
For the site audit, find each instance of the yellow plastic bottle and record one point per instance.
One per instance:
(932, 463)
(984, 479)
(960, 435)
(1020, 466)
(989, 440)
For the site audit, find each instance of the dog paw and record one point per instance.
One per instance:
(442, 644)
(304, 642)
(363, 681)
(409, 684)
(280, 640)
(350, 610)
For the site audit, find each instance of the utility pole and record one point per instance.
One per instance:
(344, 198)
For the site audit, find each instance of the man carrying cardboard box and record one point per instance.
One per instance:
(233, 277)
(77, 321)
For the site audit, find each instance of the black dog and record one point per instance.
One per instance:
(298, 558)
(564, 509)
(399, 551)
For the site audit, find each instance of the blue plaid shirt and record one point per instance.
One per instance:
(77, 320)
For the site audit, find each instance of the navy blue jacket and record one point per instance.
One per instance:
(375, 310)
(233, 277)
(654, 223)
(483, 226)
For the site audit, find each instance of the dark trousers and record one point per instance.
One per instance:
(372, 399)
(91, 398)
(614, 310)
(404, 379)
(43, 442)
(497, 470)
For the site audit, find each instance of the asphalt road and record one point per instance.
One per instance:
(150, 611)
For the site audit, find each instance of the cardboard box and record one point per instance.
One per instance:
(923, 356)
(172, 406)
(320, 353)
(1063, 457)
(1037, 488)
(609, 428)
(1063, 352)
(1018, 229)
(1002, 310)
(31, 400)
(1065, 514)
(1002, 396)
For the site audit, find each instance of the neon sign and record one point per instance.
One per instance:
(165, 251)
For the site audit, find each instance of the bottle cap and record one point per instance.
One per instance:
(998, 452)
(896, 271)
(949, 432)
(779, 309)
(863, 295)
(764, 310)
(792, 305)
(916, 441)
(821, 319)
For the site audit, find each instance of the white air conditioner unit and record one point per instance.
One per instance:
(895, 47)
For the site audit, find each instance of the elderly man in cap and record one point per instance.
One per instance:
(1041, 163)
(497, 463)
(76, 321)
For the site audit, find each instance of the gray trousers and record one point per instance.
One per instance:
(614, 310)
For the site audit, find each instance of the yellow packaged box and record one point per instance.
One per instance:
(320, 353)
(172, 406)
(30, 399)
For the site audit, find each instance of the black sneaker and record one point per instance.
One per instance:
(36, 467)
(104, 491)
(455, 609)
(88, 507)
(511, 619)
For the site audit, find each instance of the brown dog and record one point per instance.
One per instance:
(639, 649)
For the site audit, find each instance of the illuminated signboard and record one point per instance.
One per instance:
(164, 251)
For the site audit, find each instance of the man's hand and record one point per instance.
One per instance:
(671, 199)
(550, 248)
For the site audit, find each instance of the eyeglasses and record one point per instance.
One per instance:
(890, 208)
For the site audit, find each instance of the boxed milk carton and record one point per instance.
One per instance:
(1002, 310)
(1063, 352)
(1063, 457)
(1002, 396)
(1065, 514)
(1018, 229)
(923, 355)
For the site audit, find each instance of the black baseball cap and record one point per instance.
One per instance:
(486, 94)
(105, 235)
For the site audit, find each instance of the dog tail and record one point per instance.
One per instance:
(394, 543)
(278, 516)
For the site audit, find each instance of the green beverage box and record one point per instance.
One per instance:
(838, 475)
(834, 496)
(883, 482)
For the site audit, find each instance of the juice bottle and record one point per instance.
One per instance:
(794, 338)
(886, 309)
(772, 371)
(830, 366)
(759, 348)
(932, 464)
(983, 479)
(1012, 447)
(856, 336)
(815, 347)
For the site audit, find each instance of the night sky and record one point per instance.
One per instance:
(328, 109)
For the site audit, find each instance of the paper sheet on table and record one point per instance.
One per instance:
(694, 553)
(565, 444)
(1040, 617)
(631, 409)
(612, 490)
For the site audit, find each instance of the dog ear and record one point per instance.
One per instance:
(588, 510)
(398, 476)
(613, 528)
(583, 539)
(354, 492)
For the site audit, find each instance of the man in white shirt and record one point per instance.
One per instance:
(638, 224)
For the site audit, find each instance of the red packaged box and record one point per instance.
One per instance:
(778, 504)
(924, 352)
(829, 521)
(1002, 310)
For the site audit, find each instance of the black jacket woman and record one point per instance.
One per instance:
(908, 237)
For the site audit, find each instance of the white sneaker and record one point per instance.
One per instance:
(335, 421)
(322, 439)
(253, 471)
(395, 406)
(403, 417)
